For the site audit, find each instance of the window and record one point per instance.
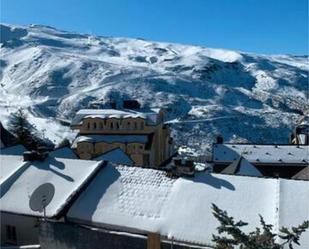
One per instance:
(128, 125)
(88, 126)
(142, 125)
(101, 126)
(135, 126)
(117, 126)
(112, 125)
(94, 125)
(11, 234)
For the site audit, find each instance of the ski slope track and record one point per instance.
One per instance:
(243, 96)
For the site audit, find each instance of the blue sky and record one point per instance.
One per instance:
(263, 26)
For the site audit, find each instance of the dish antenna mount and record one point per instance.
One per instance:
(41, 197)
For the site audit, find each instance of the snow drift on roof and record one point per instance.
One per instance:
(66, 175)
(145, 200)
(272, 154)
(9, 165)
(150, 115)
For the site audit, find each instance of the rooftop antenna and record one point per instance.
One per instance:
(41, 197)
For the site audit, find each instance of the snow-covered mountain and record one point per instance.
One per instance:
(53, 73)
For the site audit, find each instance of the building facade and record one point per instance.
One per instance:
(141, 134)
(270, 160)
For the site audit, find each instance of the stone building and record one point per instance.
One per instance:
(271, 160)
(140, 133)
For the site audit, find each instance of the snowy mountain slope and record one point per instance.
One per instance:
(53, 73)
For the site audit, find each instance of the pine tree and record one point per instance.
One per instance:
(261, 238)
(21, 128)
(26, 133)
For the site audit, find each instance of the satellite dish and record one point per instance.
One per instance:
(41, 197)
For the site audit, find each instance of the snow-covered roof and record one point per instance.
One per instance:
(13, 150)
(116, 156)
(111, 139)
(9, 165)
(241, 166)
(20, 179)
(262, 154)
(150, 115)
(141, 200)
(64, 152)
